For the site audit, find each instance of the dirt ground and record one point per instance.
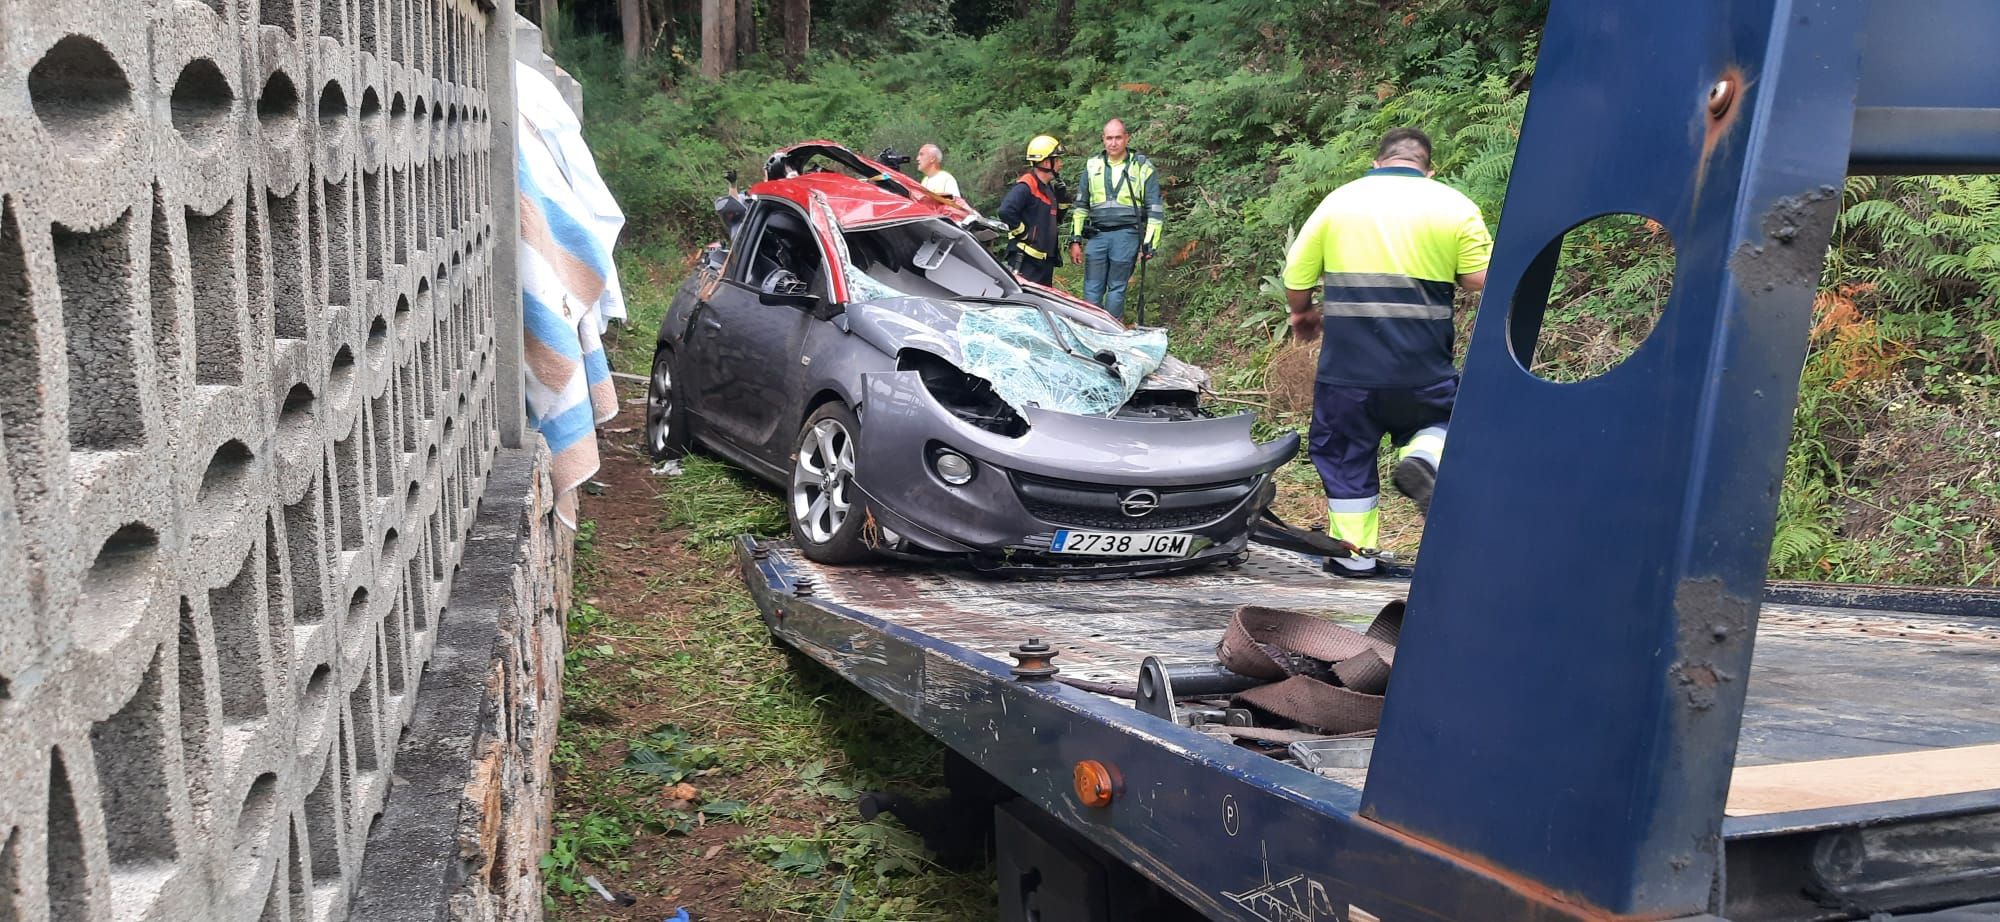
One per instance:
(701, 766)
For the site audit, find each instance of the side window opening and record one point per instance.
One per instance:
(785, 258)
(927, 259)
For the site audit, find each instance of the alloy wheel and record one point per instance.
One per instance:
(821, 479)
(659, 408)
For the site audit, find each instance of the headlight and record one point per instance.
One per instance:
(952, 467)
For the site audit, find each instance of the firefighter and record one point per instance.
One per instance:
(1385, 251)
(1117, 221)
(1032, 210)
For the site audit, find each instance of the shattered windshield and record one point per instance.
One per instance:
(1038, 358)
(1033, 357)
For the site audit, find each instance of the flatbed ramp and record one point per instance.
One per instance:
(1861, 722)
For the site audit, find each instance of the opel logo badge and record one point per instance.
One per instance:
(1139, 503)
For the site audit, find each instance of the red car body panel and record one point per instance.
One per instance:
(840, 153)
(856, 203)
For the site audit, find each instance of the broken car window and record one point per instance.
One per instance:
(1037, 358)
(786, 259)
(930, 258)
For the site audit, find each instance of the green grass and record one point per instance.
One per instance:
(680, 682)
(715, 501)
(650, 273)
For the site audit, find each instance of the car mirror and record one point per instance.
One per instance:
(714, 257)
(787, 299)
(812, 304)
(820, 308)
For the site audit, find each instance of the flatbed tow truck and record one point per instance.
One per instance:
(1580, 725)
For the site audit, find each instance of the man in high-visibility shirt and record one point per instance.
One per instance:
(1385, 251)
(1117, 220)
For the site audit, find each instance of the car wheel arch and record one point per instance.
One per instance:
(824, 396)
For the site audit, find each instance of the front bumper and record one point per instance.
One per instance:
(1066, 472)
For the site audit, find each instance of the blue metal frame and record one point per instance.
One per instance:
(1571, 676)
(1929, 98)
(1232, 833)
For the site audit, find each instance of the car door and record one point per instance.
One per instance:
(745, 354)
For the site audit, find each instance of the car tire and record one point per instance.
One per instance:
(666, 416)
(821, 500)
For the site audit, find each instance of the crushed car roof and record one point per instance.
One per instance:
(855, 202)
(869, 193)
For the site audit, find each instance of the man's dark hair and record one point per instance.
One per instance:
(1405, 144)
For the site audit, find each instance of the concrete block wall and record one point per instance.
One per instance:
(468, 821)
(247, 409)
(528, 50)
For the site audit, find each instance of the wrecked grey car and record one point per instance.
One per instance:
(858, 347)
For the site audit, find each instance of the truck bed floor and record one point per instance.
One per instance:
(1827, 683)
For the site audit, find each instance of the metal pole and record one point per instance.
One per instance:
(1140, 295)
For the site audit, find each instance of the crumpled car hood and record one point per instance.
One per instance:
(937, 327)
(1064, 446)
(1036, 358)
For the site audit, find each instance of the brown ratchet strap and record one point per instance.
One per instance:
(1295, 649)
(1280, 737)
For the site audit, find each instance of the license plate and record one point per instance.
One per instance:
(1121, 544)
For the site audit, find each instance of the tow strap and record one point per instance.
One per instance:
(1323, 675)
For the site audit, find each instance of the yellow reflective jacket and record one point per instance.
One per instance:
(1116, 196)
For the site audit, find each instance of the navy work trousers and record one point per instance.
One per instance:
(1039, 271)
(1348, 424)
(1108, 260)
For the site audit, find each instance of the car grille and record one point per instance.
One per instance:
(1092, 505)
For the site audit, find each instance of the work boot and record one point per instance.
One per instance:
(1356, 567)
(1414, 477)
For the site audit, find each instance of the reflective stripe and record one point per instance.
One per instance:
(1354, 565)
(1369, 280)
(1118, 206)
(1399, 224)
(1427, 444)
(1105, 210)
(1380, 309)
(1361, 504)
(1362, 287)
(1031, 251)
(1129, 187)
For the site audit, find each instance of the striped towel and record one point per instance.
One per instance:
(569, 286)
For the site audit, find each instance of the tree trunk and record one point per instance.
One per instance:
(1065, 11)
(718, 38)
(746, 28)
(631, 21)
(798, 32)
(728, 27)
(711, 38)
(550, 20)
